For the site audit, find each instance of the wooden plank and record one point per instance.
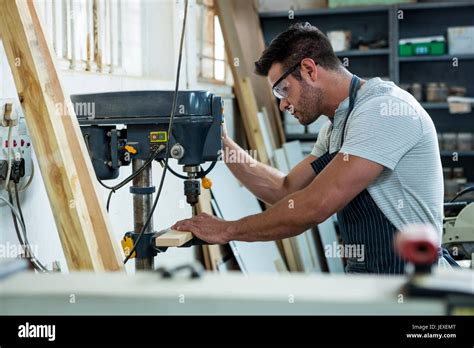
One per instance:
(206, 257)
(266, 118)
(266, 135)
(249, 111)
(173, 238)
(204, 206)
(243, 35)
(214, 254)
(81, 220)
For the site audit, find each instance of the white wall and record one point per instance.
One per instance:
(150, 50)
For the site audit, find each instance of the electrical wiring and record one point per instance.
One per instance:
(462, 192)
(32, 257)
(17, 218)
(201, 174)
(132, 176)
(9, 170)
(170, 128)
(125, 181)
(9, 165)
(30, 179)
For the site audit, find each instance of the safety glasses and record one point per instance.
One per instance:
(280, 87)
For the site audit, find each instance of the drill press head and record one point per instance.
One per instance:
(145, 116)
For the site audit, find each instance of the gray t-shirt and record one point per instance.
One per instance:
(388, 126)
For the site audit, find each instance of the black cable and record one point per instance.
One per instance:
(19, 205)
(24, 241)
(125, 181)
(20, 211)
(108, 199)
(170, 127)
(181, 176)
(200, 175)
(462, 192)
(132, 176)
(216, 205)
(102, 183)
(18, 234)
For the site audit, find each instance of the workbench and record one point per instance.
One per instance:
(221, 294)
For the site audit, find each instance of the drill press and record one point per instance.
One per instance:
(145, 116)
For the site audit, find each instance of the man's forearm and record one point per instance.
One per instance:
(263, 181)
(289, 217)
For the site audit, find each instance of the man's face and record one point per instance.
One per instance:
(304, 98)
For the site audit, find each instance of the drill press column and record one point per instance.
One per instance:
(142, 202)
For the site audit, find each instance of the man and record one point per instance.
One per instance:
(376, 162)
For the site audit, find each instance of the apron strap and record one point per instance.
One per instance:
(355, 85)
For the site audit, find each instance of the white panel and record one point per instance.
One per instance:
(265, 134)
(293, 153)
(280, 161)
(236, 202)
(327, 232)
(304, 244)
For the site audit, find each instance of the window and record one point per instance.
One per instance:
(212, 63)
(86, 34)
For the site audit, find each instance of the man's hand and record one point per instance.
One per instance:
(206, 227)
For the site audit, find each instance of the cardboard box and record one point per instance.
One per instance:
(461, 40)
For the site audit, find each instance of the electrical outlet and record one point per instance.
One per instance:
(26, 147)
(8, 112)
(19, 146)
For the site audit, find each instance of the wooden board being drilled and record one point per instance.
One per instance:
(173, 238)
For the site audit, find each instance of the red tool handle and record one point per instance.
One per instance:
(418, 244)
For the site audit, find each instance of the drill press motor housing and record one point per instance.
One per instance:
(195, 138)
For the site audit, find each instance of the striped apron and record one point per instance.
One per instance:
(363, 225)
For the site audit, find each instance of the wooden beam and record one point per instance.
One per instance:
(81, 220)
(249, 112)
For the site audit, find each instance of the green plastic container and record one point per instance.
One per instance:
(426, 46)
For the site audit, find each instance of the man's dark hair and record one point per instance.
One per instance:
(299, 41)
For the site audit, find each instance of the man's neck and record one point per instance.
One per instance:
(338, 89)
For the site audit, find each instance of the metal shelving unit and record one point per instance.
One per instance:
(358, 53)
(393, 23)
(444, 57)
(303, 137)
(459, 153)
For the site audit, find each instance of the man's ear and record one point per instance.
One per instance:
(309, 69)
